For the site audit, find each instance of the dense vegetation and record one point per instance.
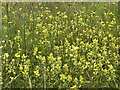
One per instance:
(64, 45)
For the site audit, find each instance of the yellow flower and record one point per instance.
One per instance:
(90, 30)
(21, 67)
(47, 11)
(5, 17)
(50, 16)
(109, 25)
(103, 25)
(11, 78)
(35, 50)
(59, 58)
(113, 3)
(87, 63)
(37, 73)
(38, 25)
(20, 9)
(46, 7)
(81, 42)
(58, 12)
(38, 18)
(78, 16)
(76, 81)
(111, 13)
(79, 63)
(99, 55)
(1, 47)
(110, 35)
(63, 77)
(3, 41)
(6, 54)
(95, 41)
(73, 87)
(56, 7)
(110, 66)
(49, 24)
(105, 38)
(81, 79)
(17, 55)
(65, 67)
(65, 16)
(69, 78)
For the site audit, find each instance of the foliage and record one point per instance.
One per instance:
(45, 45)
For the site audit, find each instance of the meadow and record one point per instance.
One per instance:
(60, 45)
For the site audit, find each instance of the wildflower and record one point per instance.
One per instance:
(105, 38)
(38, 25)
(1, 47)
(3, 41)
(109, 25)
(81, 79)
(65, 67)
(110, 35)
(23, 56)
(5, 16)
(69, 78)
(65, 16)
(35, 50)
(6, 54)
(20, 9)
(59, 58)
(49, 24)
(81, 42)
(103, 25)
(99, 55)
(21, 67)
(37, 73)
(38, 18)
(17, 55)
(111, 13)
(11, 78)
(63, 77)
(50, 16)
(47, 11)
(73, 87)
(56, 7)
(58, 12)
(110, 67)
(76, 81)
(78, 16)
(95, 41)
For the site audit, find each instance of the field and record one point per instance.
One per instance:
(60, 45)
